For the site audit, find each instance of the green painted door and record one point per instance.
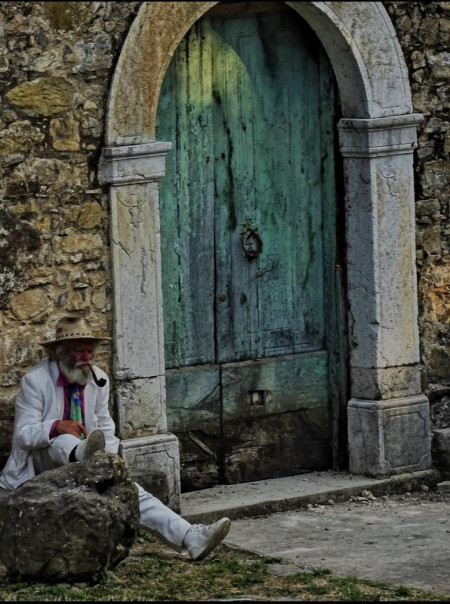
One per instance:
(248, 242)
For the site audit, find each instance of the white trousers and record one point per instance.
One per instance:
(154, 515)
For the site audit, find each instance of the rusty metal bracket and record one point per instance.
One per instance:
(252, 243)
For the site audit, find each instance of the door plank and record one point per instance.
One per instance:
(255, 450)
(274, 303)
(285, 384)
(193, 414)
(194, 398)
(187, 210)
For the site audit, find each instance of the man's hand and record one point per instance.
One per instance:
(69, 426)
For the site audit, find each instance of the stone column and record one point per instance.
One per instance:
(151, 453)
(388, 416)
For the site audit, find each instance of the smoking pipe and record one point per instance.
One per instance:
(100, 382)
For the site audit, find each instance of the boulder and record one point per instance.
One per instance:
(69, 523)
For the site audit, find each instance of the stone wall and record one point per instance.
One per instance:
(56, 64)
(423, 29)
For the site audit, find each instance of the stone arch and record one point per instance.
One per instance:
(377, 138)
(359, 39)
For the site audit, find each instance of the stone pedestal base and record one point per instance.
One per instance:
(389, 437)
(154, 462)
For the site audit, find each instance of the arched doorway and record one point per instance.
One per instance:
(377, 136)
(247, 212)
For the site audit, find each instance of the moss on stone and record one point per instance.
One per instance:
(69, 15)
(45, 96)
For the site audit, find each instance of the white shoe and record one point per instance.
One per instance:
(95, 441)
(200, 540)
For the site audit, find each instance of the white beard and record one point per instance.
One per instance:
(76, 375)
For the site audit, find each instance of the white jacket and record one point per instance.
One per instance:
(39, 403)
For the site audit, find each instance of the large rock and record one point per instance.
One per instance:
(69, 523)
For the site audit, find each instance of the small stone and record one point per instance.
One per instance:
(367, 494)
(62, 299)
(90, 215)
(65, 134)
(285, 570)
(20, 136)
(88, 105)
(30, 304)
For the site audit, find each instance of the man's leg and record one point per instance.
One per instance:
(161, 520)
(197, 540)
(67, 448)
(56, 454)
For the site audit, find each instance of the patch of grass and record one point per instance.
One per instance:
(401, 590)
(154, 572)
(353, 590)
(316, 589)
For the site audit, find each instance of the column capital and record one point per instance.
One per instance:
(133, 164)
(395, 135)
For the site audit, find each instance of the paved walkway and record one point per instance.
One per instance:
(395, 531)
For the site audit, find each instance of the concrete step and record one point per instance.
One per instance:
(264, 497)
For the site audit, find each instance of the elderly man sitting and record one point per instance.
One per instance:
(62, 416)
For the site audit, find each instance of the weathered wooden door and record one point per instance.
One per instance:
(248, 240)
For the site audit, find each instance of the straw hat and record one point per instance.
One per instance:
(73, 328)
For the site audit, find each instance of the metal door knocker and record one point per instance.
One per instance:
(252, 243)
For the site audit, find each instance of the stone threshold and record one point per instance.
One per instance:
(264, 497)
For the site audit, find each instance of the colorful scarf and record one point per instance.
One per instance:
(75, 404)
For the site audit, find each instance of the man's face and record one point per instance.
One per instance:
(75, 358)
(79, 353)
